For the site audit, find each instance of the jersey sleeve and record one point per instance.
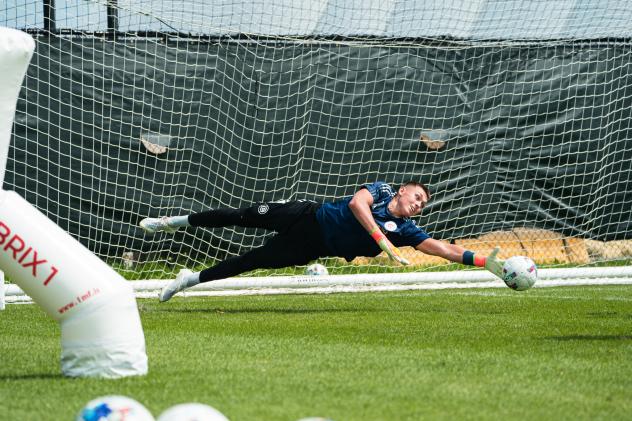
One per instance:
(380, 191)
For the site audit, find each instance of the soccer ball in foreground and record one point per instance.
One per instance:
(316, 269)
(114, 408)
(519, 273)
(192, 412)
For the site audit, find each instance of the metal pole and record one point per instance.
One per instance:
(113, 21)
(50, 20)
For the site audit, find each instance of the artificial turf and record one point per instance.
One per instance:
(547, 353)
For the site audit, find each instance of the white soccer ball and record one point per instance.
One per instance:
(114, 408)
(316, 269)
(192, 412)
(520, 273)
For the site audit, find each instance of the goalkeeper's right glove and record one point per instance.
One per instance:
(388, 247)
(493, 264)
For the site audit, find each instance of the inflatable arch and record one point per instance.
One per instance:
(101, 332)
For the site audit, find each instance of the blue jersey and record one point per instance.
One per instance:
(345, 237)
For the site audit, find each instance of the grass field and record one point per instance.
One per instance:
(548, 353)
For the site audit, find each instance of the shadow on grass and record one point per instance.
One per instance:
(45, 376)
(591, 338)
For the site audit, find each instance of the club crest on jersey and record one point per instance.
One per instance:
(390, 226)
(263, 209)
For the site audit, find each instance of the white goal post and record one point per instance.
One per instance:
(515, 114)
(3, 291)
(272, 285)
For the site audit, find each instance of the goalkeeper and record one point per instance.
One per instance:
(375, 219)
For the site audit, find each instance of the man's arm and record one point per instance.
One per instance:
(451, 252)
(360, 206)
(458, 254)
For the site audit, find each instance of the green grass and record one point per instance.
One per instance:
(545, 354)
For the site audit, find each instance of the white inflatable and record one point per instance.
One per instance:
(101, 333)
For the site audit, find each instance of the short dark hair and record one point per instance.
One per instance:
(417, 184)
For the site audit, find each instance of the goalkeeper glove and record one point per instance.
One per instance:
(388, 247)
(493, 264)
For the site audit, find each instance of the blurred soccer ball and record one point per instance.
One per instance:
(519, 273)
(316, 269)
(114, 408)
(192, 412)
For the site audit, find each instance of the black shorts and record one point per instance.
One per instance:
(298, 230)
(297, 217)
(298, 241)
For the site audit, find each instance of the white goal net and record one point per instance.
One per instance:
(516, 114)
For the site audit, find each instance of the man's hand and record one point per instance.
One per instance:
(493, 264)
(388, 247)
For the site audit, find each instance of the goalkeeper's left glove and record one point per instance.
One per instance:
(388, 247)
(493, 264)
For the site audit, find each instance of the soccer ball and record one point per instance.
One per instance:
(192, 412)
(316, 269)
(114, 408)
(519, 273)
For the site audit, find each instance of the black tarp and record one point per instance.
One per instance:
(537, 135)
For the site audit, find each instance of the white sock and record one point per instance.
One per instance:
(179, 221)
(192, 279)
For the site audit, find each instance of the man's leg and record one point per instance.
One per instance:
(272, 216)
(279, 252)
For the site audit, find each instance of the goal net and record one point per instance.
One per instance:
(516, 114)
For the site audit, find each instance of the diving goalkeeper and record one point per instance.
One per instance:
(375, 219)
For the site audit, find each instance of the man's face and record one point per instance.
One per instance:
(412, 200)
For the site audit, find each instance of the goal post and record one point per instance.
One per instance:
(3, 291)
(514, 113)
(375, 282)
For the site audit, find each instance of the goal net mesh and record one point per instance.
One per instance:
(516, 114)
